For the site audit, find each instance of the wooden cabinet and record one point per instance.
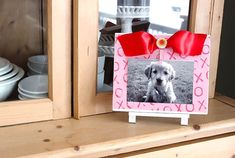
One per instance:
(110, 134)
(204, 18)
(38, 27)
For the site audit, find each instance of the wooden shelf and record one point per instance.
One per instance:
(111, 134)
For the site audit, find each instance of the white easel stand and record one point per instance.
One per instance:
(183, 122)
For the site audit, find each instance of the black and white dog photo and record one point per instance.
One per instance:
(160, 81)
(160, 88)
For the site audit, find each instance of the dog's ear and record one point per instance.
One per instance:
(148, 71)
(172, 74)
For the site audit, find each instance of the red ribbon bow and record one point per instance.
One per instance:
(182, 42)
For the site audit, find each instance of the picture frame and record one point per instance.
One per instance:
(163, 82)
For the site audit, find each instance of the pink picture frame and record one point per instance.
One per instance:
(200, 81)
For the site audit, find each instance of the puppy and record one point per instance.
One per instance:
(160, 88)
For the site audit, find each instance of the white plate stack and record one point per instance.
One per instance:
(37, 64)
(10, 74)
(33, 87)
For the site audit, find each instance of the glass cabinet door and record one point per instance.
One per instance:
(124, 16)
(97, 21)
(32, 52)
(94, 42)
(23, 50)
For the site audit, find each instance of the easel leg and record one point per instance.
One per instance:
(132, 118)
(184, 121)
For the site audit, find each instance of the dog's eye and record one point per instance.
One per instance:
(165, 73)
(154, 71)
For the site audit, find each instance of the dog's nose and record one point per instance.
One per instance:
(159, 81)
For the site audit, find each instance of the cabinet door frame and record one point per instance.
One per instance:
(58, 104)
(203, 17)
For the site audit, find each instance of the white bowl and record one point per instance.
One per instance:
(100, 80)
(4, 63)
(11, 74)
(6, 70)
(22, 98)
(36, 84)
(38, 63)
(35, 71)
(31, 73)
(32, 96)
(7, 86)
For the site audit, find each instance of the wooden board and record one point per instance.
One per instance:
(206, 17)
(44, 13)
(215, 31)
(204, 148)
(110, 134)
(86, 101)
(200, 16)
(226, 100)
(60, 52)
(20, 30)
(25, 111)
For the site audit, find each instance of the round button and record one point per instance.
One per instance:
(161, 43)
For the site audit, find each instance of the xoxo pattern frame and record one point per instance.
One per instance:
(200, 74)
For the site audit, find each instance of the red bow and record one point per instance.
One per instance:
(182, 42)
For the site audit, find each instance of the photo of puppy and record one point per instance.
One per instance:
(160, 88)
(153, 81)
